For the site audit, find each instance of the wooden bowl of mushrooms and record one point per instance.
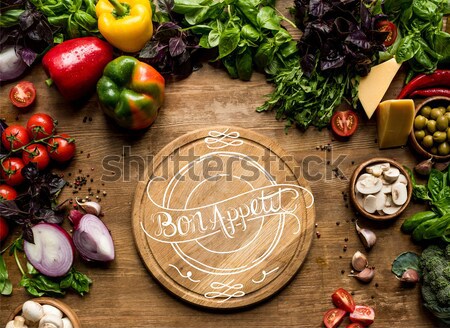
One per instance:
(380, 189)
(43, 312)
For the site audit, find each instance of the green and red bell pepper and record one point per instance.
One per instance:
(131, 92)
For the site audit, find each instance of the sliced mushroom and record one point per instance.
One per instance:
(375, 170)
(399, 194)
(391, 209)
(369, 185)
(402, 179)
(370, 203)
(385, 166)
(380, 200)
(391, 175)
(360, 198)
(365, 176)
(387, 188)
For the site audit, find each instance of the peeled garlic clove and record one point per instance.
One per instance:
(365, 275)
(67, 323)
(91, 207)
(50, 309)
(32, 311)
(359, 261)
(410, 276)
(368, 237)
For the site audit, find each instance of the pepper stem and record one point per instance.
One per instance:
(49, 82)
(121, 10)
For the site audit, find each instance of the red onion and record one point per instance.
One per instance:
(92, 238)
(52, 252)
(11, 64)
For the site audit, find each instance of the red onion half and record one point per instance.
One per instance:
(92, 239)
(52, 251)
(11, 64)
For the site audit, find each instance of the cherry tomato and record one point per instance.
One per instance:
(333, 318)
(11, 171)
(22, 94)
(363, 315)
(343, 300)
(344, 123)
(7, 192)
(40, 125)
(388, 26)
(15, 136)
(38, 154)
(4, 229)
(355, 325)
(61, 149)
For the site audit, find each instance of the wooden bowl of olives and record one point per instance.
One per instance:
(430, 136)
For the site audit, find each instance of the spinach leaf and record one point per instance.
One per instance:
(436, 182)
(228, 41)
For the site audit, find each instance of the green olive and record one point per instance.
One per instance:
(442, 109)
(425, 111)
(448, 108)
(439, 137)
(419, 134)
(431, 126)
(442, 123)
(447, 115)
(427, 141)
(448, 133)
(420, 122)
(444, 149)
(435, 113)
(434, 150)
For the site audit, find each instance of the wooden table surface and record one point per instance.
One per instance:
(123, 293)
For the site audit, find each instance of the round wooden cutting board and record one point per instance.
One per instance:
(224, 218)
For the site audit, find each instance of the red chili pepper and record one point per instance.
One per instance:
(431, 92)
(76, 65)
(438, 78)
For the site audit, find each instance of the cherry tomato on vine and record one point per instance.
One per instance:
(343, 300)
(363, 315)
(62, 148)
(7, 192)
(14, 137)
(36, 153)
(40, 125)
(11, 171)
(333, 318)
(22, 94)
(4, 229)
(344, 123)
(388, 26)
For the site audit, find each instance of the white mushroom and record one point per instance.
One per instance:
(18, 322)
(375, 170)
(391, 175)
(380, 200)
(51, 321)
(399, 194)
(365, 176)
(387, 188)
(402, 179)
(10, 324)
(370, 203)
(360, 198)
(67, 323)
(369, 186)
(385, 166)
(391, 209)
(50, 309)
(32, 311)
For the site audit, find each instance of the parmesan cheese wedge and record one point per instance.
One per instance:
(373, 86)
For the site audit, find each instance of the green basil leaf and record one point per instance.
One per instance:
(7, 288)
(250, 9)
(230, 65)
(80, 282)
(204, 42)
(250, 33)
(282, 37)
(86, 21)
(264, 55)
(213, 38)
(67, 281)
(424, 8)
(90, 8)
(202, 14)
(60, 20)
(267, 18)
(289, 49)
(72, 28)
(244, 65)
(228, 41)
(188, 6)
(435, 184)
(10, 17)
(407, 48)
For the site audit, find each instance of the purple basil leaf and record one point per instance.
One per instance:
(176, 46)
(26, 19)
(28, 234)
(359, 39)
(30, 172)
(28, 56)
(166, 6)
(150, 50)
(308, 63)
(49, 216)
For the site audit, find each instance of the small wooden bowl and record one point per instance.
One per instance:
(361, 169)
(66, 310)
(432, 102)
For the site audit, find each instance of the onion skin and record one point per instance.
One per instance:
(11, 64)
(51, 238)
(93, 239)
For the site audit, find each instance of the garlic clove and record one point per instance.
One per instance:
(368, 237)
(90, 207)
(50, 309)
(359, 261)
(67, 323)
(365, 275)
(410, 276)
(32, 311)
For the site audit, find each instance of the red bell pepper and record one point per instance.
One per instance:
(421, 81)
(76, 65)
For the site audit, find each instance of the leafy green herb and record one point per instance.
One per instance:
(5, 283)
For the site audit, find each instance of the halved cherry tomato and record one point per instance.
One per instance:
(7, 192)
(11, 171)
(355, 325)
(4, 229)
(38, 154)
(343, 300)
(62, 148)
(344, 123)
(388, 26)
(333, 318)
(22, 94)
(15, 136)
(40, 125)
(363, 315)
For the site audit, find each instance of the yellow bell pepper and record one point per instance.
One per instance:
(127, 24)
